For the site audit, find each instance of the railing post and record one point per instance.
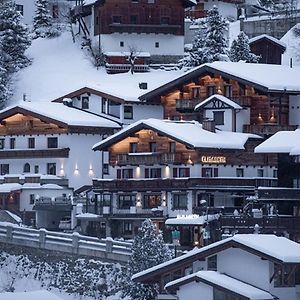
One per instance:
(42, 238)
(109, 245)
(9, 233)
(75, 242)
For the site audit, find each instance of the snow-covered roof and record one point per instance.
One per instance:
(281, 142)
(271, 246)
(271, 38)
(88, 216)
(35, 295)
(197, 137)
(9, 187)
(191, 220)
(14, 216)
(62, 113)
(224, 281)
(221, 98)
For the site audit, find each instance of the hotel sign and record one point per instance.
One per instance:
(213, 159)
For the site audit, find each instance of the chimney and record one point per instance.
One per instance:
(209, 125)
(143, 85)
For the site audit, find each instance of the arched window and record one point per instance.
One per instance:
(26, 168)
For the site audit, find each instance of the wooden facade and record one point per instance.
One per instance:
(139, 16)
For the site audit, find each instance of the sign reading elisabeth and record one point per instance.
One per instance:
(213, 159)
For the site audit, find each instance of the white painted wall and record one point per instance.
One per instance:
(195, 291)
(29, 10)
(294, 110)
(142, 111)
(228, 113)
(168, 44)
(245, 266)
(227, 10)
(242, 118)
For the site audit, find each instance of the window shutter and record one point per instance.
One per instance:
(119, 174)
(215, 172)
(146, 173)
(175, 172)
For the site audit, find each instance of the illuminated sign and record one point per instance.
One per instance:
(213, 159)
(193, 216)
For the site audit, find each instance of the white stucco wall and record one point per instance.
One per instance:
(227, 10)
(195, 291)
(294, 110)
(28, 9)
(245, 266)
(168, 44)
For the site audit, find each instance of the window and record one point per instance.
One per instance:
(239, 172)
(212, 263)
(153, 173)
(165, 20)
(31, 199)
(133, 19)
(133, 147)
(181, 172)
(121, 44)
(36, 169)
(116, 19)
(125, 173)
(172, 147)
(128, 112)
(85, 102)
(2, 143)
(223, 295)
(51, 168)
(151, 201)
(228, 91)
(219, 117)
(105, 169)
(4, 169)
(152, 147)
(126, 201)
(209, 172)
(12, 143)
(260, 173)
(104, 104)
(156, 44)
(179, 201)
(284, 275)
(275, 173)
(31, 143)
(114, 108)
(52, 142)
(55, 11)
(20, 9)
(26, 168)
(296, 183)
(127, 227)
(211, 90)
(204, 199)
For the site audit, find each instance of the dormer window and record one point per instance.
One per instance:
(85, 103)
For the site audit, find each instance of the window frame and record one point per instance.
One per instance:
(53, 140)
(51, 166)
(219, 117)
(176, 201)
(31, 143)
(128, 115)
(85, 102)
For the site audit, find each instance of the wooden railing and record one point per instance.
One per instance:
(106, 249)
(267, 128)
(35, 153)
(149, 158)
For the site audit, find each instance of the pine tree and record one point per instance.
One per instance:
(148, 250)
(240, 50)
(215, 45)
(4, 91)
(43, 22)
(14, 38)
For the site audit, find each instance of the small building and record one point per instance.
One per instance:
(268, 48)
(245, 266)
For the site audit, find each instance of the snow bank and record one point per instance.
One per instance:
(36, 295)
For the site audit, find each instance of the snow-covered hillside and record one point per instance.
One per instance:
(60, 66)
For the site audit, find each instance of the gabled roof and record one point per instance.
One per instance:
(189, 133)
(88, 90)
(270, 38)
(264, 77)
(221, 98)
(223, 282)
(281, 142)
(59, 114)
(271, 247)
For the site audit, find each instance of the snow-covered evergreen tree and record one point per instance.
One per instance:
(14, 39)
(240, 50)
(148, 250)
(215, 45)
(4, 92)
(43, 21)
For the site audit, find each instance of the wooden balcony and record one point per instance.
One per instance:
(145, 28)
(188, 105)
(267, 224)
(178, 183)
(267, 128)
(34, 153)
(149, 158)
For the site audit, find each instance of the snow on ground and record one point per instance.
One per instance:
(292, 42)
(60, 67)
